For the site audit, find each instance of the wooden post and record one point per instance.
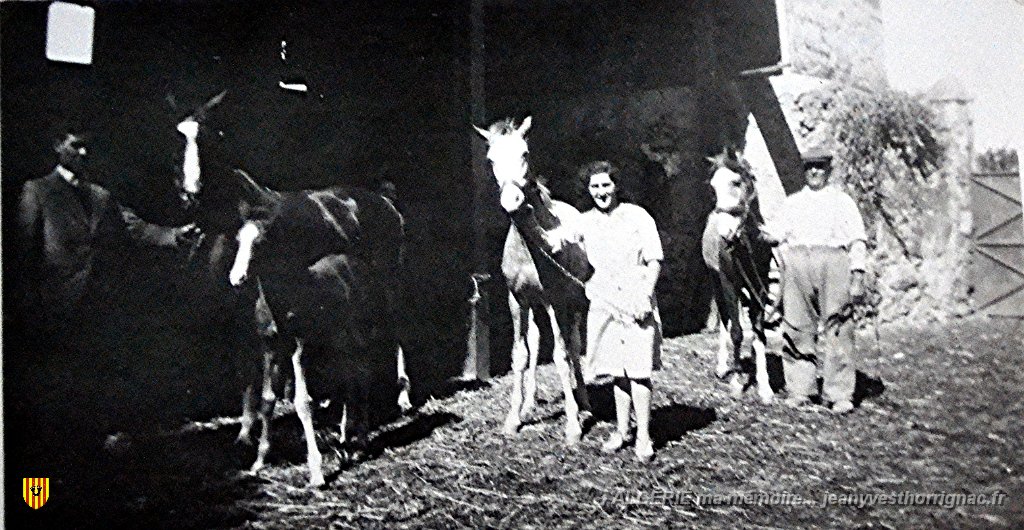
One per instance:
(477, 365)
(478, 113)
(477, 362)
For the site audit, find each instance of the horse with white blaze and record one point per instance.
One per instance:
(326, 264)
(740, 262)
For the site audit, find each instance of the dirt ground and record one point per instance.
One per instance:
(940, 414)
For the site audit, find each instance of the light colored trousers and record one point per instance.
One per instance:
(815, 286)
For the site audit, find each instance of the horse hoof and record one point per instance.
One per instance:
(404, 404)
(573, 436)
(317, 481)
(511, 429)
(721, 372)
(766, 399)
(735, 387)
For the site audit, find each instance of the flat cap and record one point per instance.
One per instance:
(816, 156)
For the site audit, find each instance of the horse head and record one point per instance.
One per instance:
(191, 175)
(733, 184)
(508, 154)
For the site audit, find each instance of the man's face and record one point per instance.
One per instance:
(817, 176)
(602, 190)
(74, 155)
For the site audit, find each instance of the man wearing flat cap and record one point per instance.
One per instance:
(822, 254)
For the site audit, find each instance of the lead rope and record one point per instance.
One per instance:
(619, 314)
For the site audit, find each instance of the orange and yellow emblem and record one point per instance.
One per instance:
(35, 491)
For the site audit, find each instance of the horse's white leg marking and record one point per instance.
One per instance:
(314, 460)
(530, 381)
(764, 389)
(248, 417)
(343, 424)
(246, 239)
(520, 318)
(724, 345)
(735, 343)
(268, 401)
(403, 381)
(573, 430)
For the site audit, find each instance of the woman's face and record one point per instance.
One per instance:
(602, 190)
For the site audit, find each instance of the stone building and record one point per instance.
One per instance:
(832, 47)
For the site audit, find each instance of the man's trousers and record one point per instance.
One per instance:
(815, 286)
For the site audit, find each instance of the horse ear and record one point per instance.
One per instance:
(200, 113)
(481, 132)
(521, 131)
(216, 99)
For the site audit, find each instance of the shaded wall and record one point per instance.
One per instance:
(387, 100)
(649, 85)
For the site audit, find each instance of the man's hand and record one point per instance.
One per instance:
(857, 287)
(767, 235)
(186, 234)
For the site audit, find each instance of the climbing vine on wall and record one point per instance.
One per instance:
(886, 148)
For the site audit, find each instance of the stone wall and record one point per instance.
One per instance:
(839, 40)
(919, 264)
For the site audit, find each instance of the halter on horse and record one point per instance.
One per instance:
(544, 265)
(740, 262)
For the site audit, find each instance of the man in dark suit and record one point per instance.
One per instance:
(63, 220)
(53, 378)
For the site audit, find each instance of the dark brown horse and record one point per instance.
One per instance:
(544, 265)
(740, 262)
(325, 264)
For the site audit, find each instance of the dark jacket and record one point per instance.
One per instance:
(61, 227)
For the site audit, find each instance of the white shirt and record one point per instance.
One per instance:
(826, 217)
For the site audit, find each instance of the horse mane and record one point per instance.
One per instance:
(733, 162)
(263, 203)
(503, 126)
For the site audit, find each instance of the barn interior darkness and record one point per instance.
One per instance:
(389, 98)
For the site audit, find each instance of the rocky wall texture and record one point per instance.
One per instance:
(920, 230)
(835, 39)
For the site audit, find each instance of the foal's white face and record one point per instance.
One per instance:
(247, 237)
(730, 189)
(507, 153)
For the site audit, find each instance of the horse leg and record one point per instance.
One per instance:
(530, 383)
(576, 354)
(357, 411)
(520, 319)
(764, 388)
(736, 383)
(573, 429)
(724, 344)
(268, 399)
(248, 417)
(405, 387)
(314, 460)
(724, 340)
